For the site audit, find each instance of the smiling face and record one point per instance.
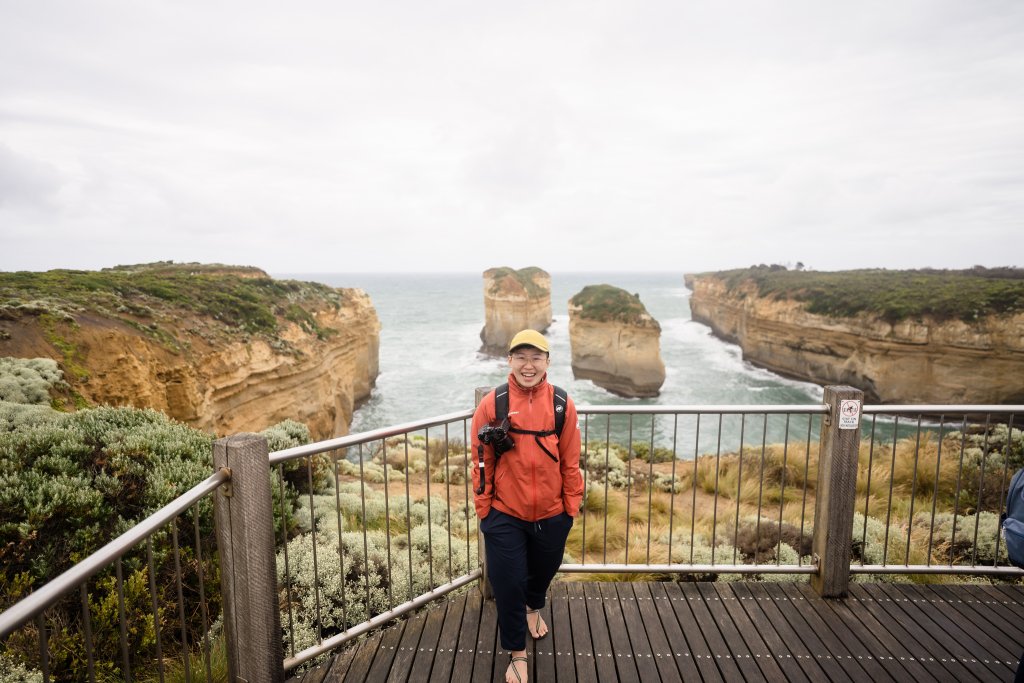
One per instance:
(528, 365)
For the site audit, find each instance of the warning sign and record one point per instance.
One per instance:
(849, 414)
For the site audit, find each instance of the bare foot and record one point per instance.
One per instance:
(516, 671)
(535, 623)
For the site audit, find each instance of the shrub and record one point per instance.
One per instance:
(28, 381)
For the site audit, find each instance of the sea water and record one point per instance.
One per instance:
(430, 362)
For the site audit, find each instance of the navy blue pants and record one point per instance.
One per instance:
(522, 558)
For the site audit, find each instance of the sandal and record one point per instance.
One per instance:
(536, 624)
(512, 665)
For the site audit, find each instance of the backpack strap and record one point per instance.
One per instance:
(561, 401)
(501, 403)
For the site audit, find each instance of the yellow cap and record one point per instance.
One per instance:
(528, 338)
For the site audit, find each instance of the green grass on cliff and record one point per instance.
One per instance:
(240, 298)
(893, 295)
(606, 303)
(523, 276)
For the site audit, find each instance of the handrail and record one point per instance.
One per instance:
(938, 409)
(30, 606)
(808, 408)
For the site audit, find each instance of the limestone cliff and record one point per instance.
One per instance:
(223, 350)
(513, 300)
(615, 343)
(921, 359)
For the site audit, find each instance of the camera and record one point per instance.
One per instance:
(497, 437)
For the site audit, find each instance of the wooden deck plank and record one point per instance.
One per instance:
(992, 603)
(904, 626)
(947, 632)
(763, 656)
(718, 649)
(643, 654)
(1012, 597)
(387, 651)
(465, 655)
(986, 629)
(738, 645)
(447, 643)
(791, 641)
(359, 667)
(486, 644)
(837, 645)
(648, 603)
(880, 643)
(572, 651)
(339, 666)
(621, 647)
(406, 654)
(675, 639)
(851, 633)
(544, 652)
(425, 656)
(700, 650)
(814, 649)
(597, 623)
(774, 644)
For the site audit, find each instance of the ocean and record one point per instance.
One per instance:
(430, 361)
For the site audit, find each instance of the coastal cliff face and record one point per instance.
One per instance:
(919, 360)
(617, 348)
(319, 362)
(514, 300)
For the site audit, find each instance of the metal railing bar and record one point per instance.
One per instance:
(935, 493)
(1006, 471)
(739, 489)
(284, 545)
(202, 596)
(693, 509)
(381, 619)
(981, 487)
(607, 456)
(341, 560)
(939, 409)
(366, 437)
(90, 657)
(714, 514)
(913, 491)
(122, 621)
(181, 602)
(313, 544)
(867, 491)
(629, 483)
(688, 569)
(959, 477)
(44, 648)
(470, 508)
(807, 467)
(810, 408)
(448, 497)
(387, 518)
(408, 515)
(584, 466)
(366, 542)
(936, 569)
(45, 596)
(892, 481)
(156, 609)
(650, 487)
(672, 490)
(430, 516)
(760, 488)
(782, 488)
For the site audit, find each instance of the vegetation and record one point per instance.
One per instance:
(70, 483)
(606, 303)
(893, 295)
(154, 298)
(524, 276)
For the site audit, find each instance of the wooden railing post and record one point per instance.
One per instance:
(485, 583)
(244, 518)
(837, 490)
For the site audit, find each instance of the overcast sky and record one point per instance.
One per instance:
(324, 136)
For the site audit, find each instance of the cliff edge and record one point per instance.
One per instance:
(615, 343)
(223, 349)
(513, 300)
(938, 337)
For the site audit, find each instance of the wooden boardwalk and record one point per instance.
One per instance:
(711, 632)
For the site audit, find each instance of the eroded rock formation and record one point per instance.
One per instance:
(318, 363)
(615, 343)
(911, 361)
(513, 300)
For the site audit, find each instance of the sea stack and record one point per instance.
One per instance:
(513, 300)
(615, 342)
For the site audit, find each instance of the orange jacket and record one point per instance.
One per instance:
(528, 483)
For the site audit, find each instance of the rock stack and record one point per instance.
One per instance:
(513, 300)
(615, 342)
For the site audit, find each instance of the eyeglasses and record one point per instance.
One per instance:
(535, 360)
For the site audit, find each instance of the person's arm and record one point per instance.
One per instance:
(483, 416)
(569, 461)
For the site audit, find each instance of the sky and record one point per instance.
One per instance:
(447, 136)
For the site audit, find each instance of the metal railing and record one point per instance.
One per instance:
(31, 613)
(372, 526)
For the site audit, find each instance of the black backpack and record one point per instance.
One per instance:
(559, 400)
